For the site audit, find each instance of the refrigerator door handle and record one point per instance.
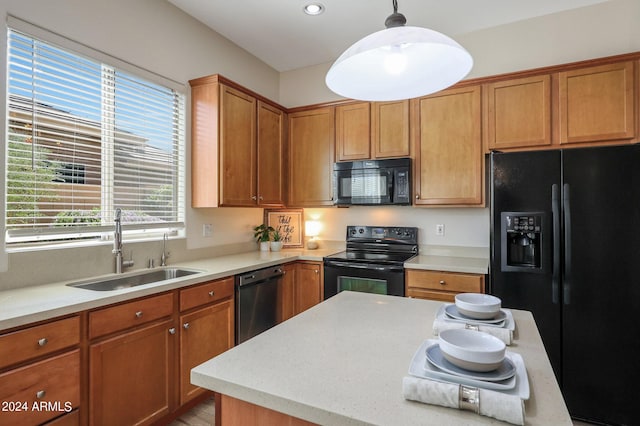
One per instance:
(555, 210)
(566, 282)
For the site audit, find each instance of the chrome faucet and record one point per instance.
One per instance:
(117, 244)
(165, 254)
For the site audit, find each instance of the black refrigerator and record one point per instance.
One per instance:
(565, 245)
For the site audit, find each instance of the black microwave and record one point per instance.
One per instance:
(372, 182)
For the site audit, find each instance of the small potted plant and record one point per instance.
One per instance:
(276, 244)
(262, 234)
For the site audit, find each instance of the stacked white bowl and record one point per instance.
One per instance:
(478, 305)
(472, 350)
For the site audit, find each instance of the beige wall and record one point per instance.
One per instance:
(155, 35)
(605, 29)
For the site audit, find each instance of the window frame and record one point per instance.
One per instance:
(17, 239)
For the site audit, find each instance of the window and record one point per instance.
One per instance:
(85, 137)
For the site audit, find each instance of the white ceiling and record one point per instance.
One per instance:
(281, 35)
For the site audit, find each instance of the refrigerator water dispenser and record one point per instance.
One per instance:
(521, 234)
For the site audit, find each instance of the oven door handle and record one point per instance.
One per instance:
(383, 268)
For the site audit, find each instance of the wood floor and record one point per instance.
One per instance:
(200, 415)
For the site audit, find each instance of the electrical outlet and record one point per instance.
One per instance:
(207, 230)
(440, 230)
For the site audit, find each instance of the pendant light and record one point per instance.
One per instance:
(399, 62)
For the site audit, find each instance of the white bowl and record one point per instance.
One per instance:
(478, 305)
(472, 350)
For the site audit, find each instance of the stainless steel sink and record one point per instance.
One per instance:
(135, 279)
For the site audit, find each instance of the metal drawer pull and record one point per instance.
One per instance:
(185, 325)
(139, 314)
(211, 293)
(172, 330)
(442, 282)
(40, 394)
(43, 341)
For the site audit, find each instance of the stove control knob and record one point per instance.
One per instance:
(361, 230)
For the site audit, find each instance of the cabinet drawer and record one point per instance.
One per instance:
(130, 314)
(71, 419)
(445, 281)
(443, 296)
(40, 340)
(206, 293)
(45, 390)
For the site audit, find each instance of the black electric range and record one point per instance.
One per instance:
(373, 261)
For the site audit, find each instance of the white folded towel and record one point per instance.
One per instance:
(501, 406)
(503, 334)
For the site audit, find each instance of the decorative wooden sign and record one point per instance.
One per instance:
(288, 223)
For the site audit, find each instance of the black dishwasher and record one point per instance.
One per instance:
(256, 302)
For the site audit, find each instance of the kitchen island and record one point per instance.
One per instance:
(342, 363)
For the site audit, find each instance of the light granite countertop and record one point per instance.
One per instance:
(38, 303)
(471, 260)
(26, 305)
(342, 363)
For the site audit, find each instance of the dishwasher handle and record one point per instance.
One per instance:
(256, 277)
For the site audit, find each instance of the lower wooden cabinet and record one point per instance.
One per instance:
(308, 285)
(140, 374)
(300, 288)
(205, 332)
(130, 376)
(286, 291)
(437, 285)
(40, 391)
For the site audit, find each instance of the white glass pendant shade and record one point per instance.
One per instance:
(398, 63)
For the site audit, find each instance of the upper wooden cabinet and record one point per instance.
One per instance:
(597, 104)
(271, 155)
(518, 112)
(367, 130)
(448, 154)
(390, 129)
(311, 156)
(237, 148)
(353, 131)
(238, 142)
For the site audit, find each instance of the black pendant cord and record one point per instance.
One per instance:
(395, 19)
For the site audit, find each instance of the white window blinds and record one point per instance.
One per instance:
(85, 138)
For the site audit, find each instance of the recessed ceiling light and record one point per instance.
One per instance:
(313, 9)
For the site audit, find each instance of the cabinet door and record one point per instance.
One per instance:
(130, 376)
(390, 129)
(311, 145)
(237, 148)
(204, 334)
(597, 104)
(271, 154)
(448, 164)
(519, 112)
(286, 294)
(353, 132)
(308, 285)
(205, 101)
